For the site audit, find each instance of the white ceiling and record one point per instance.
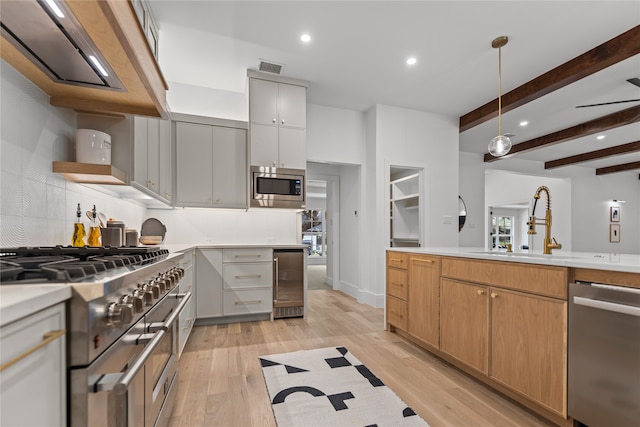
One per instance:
(357, 55)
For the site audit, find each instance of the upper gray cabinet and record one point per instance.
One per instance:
(148, 24)
(152, 156)
(278, 121)
(211, 164)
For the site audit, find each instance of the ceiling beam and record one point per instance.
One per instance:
(600, 57)
(593, 155)
(601, 124)
(618, 168)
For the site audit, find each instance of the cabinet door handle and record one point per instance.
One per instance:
(480, 292)
(274, 120)
(282, 121)
(256, 301)
(46, 339)
(494, 295)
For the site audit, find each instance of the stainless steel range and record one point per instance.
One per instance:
(121, 324)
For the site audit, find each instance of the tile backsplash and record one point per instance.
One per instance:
(37, 206)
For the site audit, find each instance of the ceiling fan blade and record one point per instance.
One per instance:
(634, 81)
(607, 103)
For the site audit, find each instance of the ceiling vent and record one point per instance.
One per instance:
(270, 66)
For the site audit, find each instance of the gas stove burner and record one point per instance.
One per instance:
(70, 264)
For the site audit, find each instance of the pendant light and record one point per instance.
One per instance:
(501, 144)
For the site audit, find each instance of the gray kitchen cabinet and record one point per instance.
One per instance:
(33, 390)
(208, 283)
(247, 275)
(152, 156)
(188, 316)
(278, 119)
(211, 165)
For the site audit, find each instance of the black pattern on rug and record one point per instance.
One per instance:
(330, 386)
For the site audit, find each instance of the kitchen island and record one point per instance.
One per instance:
(501, 317)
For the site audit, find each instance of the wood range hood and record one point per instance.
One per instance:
(55, 46)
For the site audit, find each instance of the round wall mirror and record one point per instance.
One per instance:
(462, 213)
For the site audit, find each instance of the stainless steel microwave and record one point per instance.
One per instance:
(277, 188)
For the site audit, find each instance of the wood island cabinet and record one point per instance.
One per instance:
(505, 323)
(397, 286)
(464, 323)
(423, 299)
(528, 346)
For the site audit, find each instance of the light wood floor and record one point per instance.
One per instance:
(221, 383)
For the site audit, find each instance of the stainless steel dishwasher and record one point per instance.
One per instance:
(604, 355)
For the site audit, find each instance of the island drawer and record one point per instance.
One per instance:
(397, 259)
(397, 283)
(538, 279)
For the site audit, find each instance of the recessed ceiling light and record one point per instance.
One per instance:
(411, 61)
(305, 38)
(524, 123)
(600, 137)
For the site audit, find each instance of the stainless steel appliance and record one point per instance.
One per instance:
(288, 286)
(121, 326)
(604, 355)
(277, 187)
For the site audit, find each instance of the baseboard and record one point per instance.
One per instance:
(364, 297)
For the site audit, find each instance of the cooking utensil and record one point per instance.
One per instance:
(103, 219)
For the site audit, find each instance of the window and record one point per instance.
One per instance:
(501, 232)
(314, 232)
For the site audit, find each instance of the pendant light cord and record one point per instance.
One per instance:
(500, 91)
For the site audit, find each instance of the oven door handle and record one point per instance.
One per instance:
(119, 383)
(608, 306)
(166, 325)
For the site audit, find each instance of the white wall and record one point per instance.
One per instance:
(590, 199)
(404, 137)
(228, 226)
(507, 187)
(472, 191)
(201, 101)
(38, 206)
(334, 135)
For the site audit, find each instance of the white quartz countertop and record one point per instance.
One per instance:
(18, 301)
(182, 247)
(628, 263)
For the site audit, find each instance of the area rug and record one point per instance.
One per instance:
(331, 387)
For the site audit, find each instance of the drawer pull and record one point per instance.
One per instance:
(255, 301)
(426, 261)
(494, 295)
(397, 284)
(397, 314)
(480, 292)
(248, 276)
(247, 256)
(46, 339)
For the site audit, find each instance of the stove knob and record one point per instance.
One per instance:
(153, 288)
(159, 284)
(180, 272)
(145, 295)
(136, 301)
(118, 313)
(168, 281)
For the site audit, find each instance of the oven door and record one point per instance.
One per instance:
(161, 367)
(93, 402)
